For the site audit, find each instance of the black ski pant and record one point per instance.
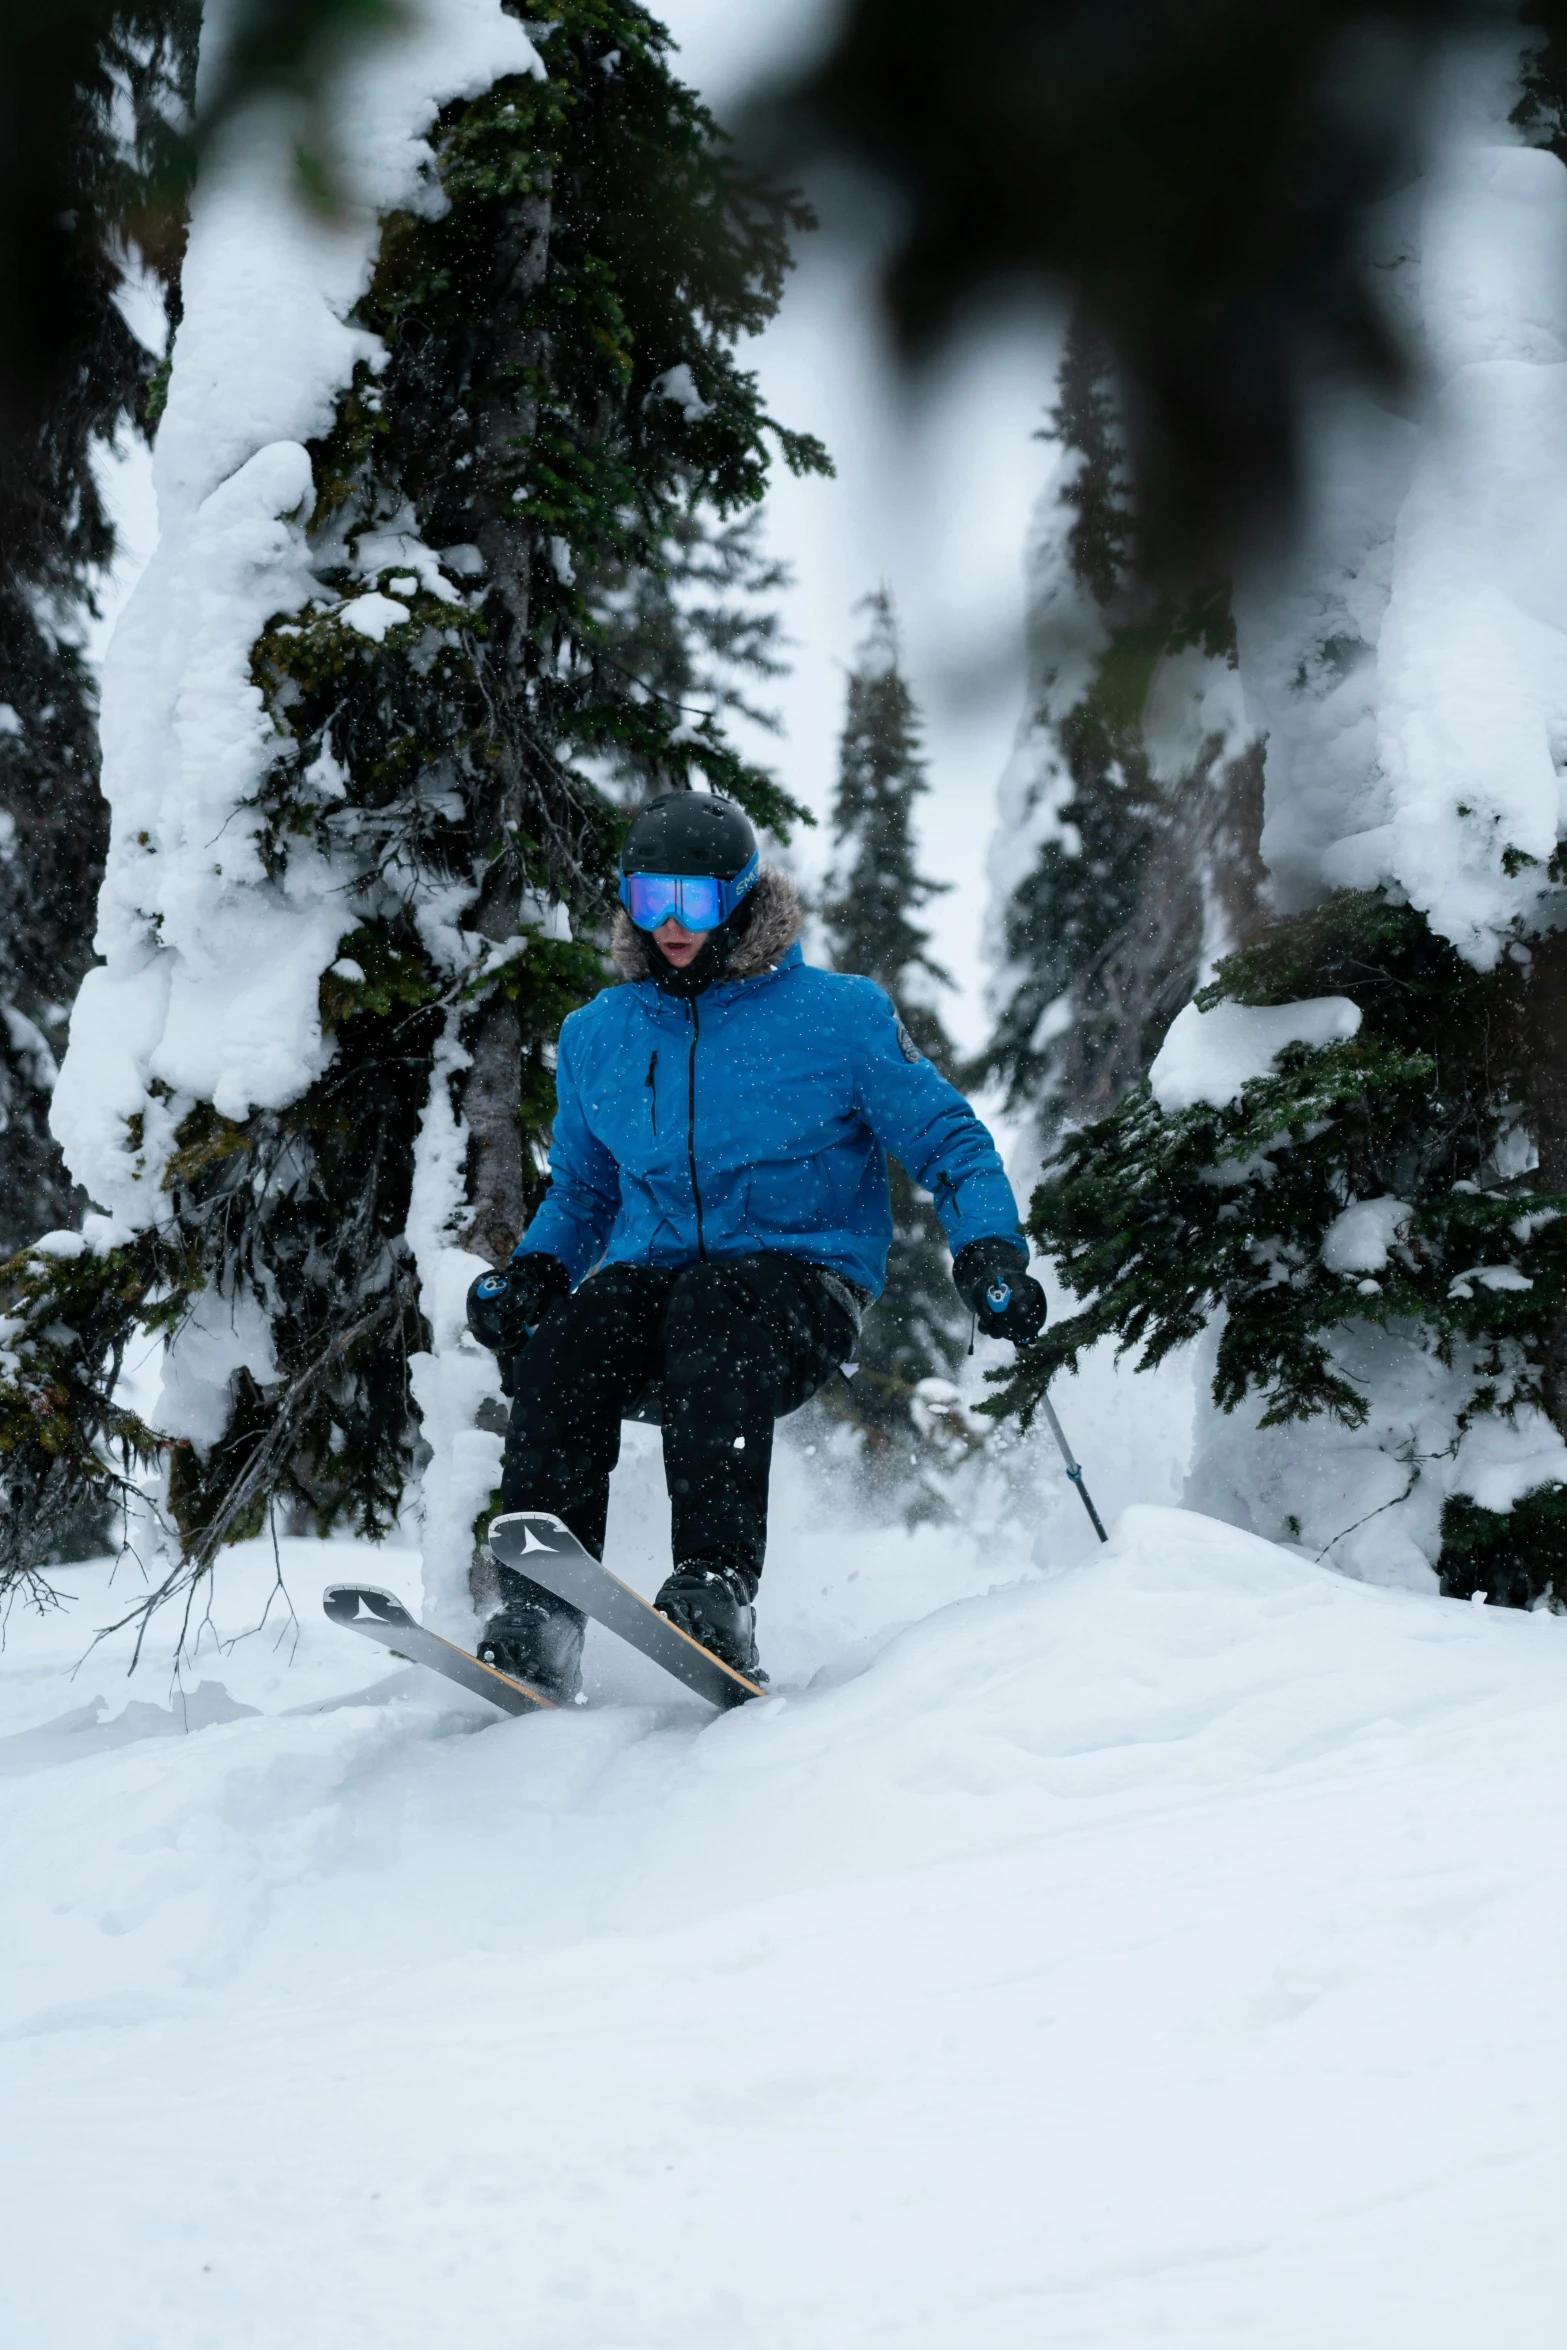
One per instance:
(734, 1346)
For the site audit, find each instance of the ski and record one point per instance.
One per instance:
(542, 1546)
(381, 1616)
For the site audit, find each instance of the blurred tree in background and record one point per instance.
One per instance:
(1366, 1236)
(99, 143)
(1130, 858)
(915, 1330)
(1196, 173)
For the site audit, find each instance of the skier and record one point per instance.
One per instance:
(717, 1222)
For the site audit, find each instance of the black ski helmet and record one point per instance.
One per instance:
(689, 832)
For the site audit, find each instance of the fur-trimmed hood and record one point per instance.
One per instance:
(772, 930)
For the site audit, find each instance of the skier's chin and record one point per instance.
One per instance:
(697, 960)
(681, 947)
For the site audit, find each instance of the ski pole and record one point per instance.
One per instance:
(1074, 1467)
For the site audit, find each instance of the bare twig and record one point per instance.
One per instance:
(258, 1477)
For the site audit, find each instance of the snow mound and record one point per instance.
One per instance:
(1092, 1960)
(1208, 1056)
(1499, 1461)
(372, 615)
(1358, 1240)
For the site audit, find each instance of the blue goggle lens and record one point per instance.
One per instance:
(691, 899)
(697, 901)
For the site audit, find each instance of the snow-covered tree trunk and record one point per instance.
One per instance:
(207, 1010)
(358, 723)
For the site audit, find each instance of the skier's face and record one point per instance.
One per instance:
(678, 945)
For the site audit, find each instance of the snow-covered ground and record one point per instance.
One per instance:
(1161, 1947)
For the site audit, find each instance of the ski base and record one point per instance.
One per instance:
(538, 1544)
(382, 1617)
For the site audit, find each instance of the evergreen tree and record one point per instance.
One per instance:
(1382, 1183)
(449, 690)
(1370, 1234)
(111, 181)
(700, 628)
(916, 1330)
(1131, 869)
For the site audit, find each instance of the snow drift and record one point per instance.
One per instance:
(1153, 1950)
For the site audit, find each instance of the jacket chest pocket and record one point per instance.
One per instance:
(635, 1115)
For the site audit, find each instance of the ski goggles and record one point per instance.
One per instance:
(697, 901)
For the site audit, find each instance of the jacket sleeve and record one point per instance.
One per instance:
(927, 1125)
(578, 1210)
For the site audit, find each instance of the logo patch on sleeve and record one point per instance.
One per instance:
(907, 1046)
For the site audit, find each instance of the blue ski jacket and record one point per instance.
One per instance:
(756, 1115)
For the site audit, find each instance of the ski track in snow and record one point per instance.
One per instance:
(1164, 1947)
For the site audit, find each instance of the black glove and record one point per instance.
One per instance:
(505, 1308)
(993, 1280)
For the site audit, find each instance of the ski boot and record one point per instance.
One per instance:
(536, 1638)
(715, 1605)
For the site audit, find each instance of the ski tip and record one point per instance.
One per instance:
(351, 1603)
(518, 1532)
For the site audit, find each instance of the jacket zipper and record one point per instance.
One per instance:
(696, 1030)
(651, 1082)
